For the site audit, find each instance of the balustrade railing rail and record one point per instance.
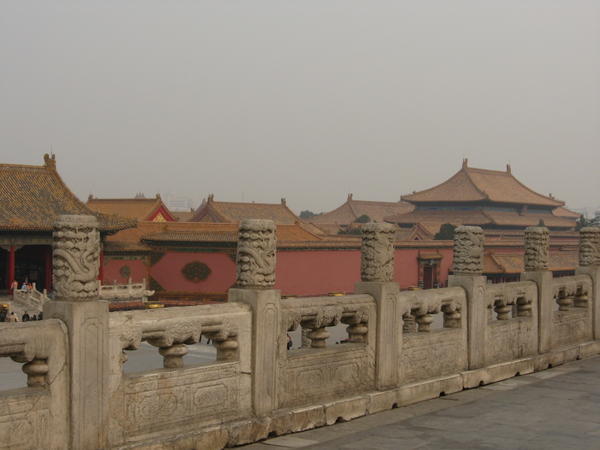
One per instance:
(400, 348)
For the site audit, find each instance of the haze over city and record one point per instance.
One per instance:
(304, 100)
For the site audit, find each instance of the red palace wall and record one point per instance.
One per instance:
(112, 271)
(303, 272)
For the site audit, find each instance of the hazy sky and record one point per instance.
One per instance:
(308, 100)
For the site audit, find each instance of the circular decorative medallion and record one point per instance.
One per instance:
(196, 271)
(125, 271)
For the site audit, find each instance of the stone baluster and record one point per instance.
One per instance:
(35, 369)
(564, 300)
(536, 270)
(318, 337)
(255, 281)
(452, 316)
(305, 337)
(227, 346)
(357, 327)
(409, 324)
(467, 268)
(524, 307)
(502, 309)
(424, 321)
(589, 264)
(173, 355)
(377, 274)
(581, 299)
(76, 262)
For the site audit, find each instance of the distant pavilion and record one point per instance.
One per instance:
(31, 199)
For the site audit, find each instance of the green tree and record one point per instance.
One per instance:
(446, 233)
(306, 214)
(363, 219)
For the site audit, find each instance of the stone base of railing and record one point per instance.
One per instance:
(304, 418)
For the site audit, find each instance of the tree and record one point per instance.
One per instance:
(363, 219)
(306, 214)
(446, 233)
(583, 222)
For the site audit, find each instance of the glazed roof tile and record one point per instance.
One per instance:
(32, 197)
(352, 209)
(132, 208)
(512, 263)
(471, 185)
(235, 212)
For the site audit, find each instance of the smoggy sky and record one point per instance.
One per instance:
(308, 100)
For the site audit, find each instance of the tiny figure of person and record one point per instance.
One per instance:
(13, 317)
(40, 316)
(25, 317)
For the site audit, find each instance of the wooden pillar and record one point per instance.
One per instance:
(11, 265)
(101, 268)
(48, 269)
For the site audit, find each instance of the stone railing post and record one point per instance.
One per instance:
(377, 274)
(256, 252)
(589, 264)
(76, 248)
(537, 245)
(467, 271)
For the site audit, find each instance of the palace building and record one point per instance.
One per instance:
(31, 199)
(138, 208)
(493, 200)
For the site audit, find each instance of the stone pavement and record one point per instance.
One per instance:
(555, 409)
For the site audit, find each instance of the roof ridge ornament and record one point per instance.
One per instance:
(50, 161)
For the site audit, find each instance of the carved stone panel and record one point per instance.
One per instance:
(431, 355)
(571, 327)
(536, 249)
(468, 250)
(589, 247)
(377, 252)
(24, 421)
(256, 251)
(76, 257)
(173, 399)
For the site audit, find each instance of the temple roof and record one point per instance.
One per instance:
(432, 220)
(352, 209)
(512, 263)
(474, 185)
(234, 212)
(32, 197)
(138, 208)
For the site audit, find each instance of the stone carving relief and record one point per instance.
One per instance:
(377, 252)
(589, 247)
(256, 254)
(76, 257)
(536, 248)
(468, 250)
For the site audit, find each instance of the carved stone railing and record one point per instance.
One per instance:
(125, 292)
(572, 292)
(191, 394)
(30, 300)
(37, 416)
(427, 351)
(322, 371)
(511, 330)
(572, 320)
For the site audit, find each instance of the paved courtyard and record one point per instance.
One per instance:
(555, 409)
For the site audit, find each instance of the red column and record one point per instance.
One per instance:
(11, 265)
(101, 268)
(48, 269)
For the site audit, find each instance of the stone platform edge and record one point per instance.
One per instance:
(286, 421)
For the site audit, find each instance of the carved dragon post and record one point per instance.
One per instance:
(589, 264)
(467, 269)
(256, 255)
(535, 261)
(76, 259)
(377, 275)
